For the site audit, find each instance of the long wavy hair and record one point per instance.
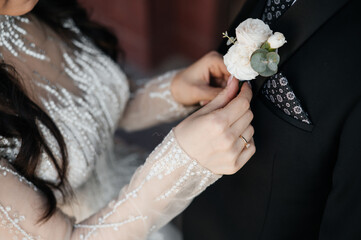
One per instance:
(19, 115)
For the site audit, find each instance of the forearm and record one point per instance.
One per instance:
(159, 190)
(153, 104)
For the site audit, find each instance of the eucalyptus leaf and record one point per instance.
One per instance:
(257, 65)
(273, 57)
(272, 66)
(261, 50)
(259, 60)
(267, 73)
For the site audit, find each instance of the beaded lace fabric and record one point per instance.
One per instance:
(87, 96)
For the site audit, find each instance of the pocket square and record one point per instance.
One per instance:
(279, 92)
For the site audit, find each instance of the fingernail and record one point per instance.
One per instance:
(229, 80)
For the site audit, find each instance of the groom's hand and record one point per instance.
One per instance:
(193, 84)
(213, 134)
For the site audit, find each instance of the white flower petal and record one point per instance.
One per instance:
(237, 61)
(253, 32)
(277, 40)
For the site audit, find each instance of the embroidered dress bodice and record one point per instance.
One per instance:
(87, 95)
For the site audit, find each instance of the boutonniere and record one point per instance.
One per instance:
(254, 50)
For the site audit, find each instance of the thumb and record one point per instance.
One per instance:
(224, 97)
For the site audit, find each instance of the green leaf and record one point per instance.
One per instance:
(273, 57)
(272, 66)
(266, 46)
(267, 73)
(259, 60)
(261, 50)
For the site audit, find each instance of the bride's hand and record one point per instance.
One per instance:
(192, 85)
(213, 135)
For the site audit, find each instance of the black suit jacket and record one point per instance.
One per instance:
(304, 182)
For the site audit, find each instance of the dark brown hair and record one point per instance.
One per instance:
(19, 114)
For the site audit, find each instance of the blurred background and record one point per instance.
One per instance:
(159, 35)
(153, 33)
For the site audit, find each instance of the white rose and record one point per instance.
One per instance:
(253, 32)
(277, 40)
(238, 61)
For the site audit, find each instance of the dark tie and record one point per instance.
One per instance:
(275, 9)
(277, 88)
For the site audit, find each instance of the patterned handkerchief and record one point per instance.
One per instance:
(278, 91)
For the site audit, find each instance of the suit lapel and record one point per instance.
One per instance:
(299, 23)
(302, 20)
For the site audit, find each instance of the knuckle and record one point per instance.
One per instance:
(253, 149)
(213, 54)
(244, 103)
(228, 139)
(250, 114)
(251, 128)
(218, 122)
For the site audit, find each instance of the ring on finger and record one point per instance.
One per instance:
(246, 143)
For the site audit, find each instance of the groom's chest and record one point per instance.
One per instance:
(323, 70)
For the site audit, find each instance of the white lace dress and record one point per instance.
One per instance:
(87, 96)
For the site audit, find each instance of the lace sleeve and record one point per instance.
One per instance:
(158, 191)
(152, 104)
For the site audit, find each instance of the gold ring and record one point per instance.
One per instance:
(246, 144)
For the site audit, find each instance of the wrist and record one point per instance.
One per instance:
(174, 89)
